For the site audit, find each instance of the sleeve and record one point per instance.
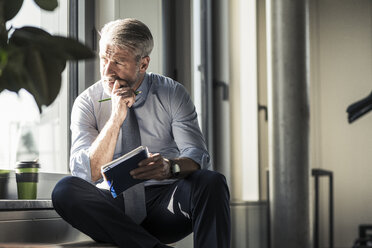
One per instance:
(83, 133)
(185, 128)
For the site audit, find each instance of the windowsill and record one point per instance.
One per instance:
(16, 205)
(9, 198)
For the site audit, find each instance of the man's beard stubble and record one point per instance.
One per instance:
(108, 82)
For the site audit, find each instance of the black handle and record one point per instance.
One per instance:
(318, 173)
(264, 108)
(359, 108)
(225, 89)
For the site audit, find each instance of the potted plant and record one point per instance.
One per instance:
(33, 59)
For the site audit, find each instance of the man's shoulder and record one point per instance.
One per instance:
(162, 80)
(164, 84)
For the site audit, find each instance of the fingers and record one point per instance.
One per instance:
(152, 172)
(125, 93)
(154, 167)
(156, 157)
(116, 86)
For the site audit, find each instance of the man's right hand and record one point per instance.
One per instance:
(122, 97)
(102, 149)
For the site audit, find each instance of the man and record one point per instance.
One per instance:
(181, 194)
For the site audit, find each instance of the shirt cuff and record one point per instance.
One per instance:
(80, 165)
(199, 156)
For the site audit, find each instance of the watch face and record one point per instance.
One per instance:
(175, 169)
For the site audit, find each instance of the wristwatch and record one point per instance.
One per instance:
(174, 168)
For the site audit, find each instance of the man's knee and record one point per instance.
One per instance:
(210, 181)
(66, 191)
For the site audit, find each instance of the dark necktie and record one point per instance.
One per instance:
(134, 197)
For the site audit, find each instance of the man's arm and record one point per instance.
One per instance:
(187, 135)
(187, 166)
(157, 167)
(83, 133)
(103, 148)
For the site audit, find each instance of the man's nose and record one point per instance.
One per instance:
(109, 68)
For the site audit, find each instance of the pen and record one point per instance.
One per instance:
(108, 99)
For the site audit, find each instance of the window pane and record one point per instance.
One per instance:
(26, 134)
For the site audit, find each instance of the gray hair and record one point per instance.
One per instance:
(129, 34)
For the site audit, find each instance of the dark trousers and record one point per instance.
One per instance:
(198, 203)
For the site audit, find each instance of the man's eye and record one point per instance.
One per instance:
(119, 63)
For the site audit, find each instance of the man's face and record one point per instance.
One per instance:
(117, 63)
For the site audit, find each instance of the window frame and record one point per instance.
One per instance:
(81, 27)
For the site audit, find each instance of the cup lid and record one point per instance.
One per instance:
(27, 164)
(3, 171)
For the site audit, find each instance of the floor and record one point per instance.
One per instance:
(85, 244)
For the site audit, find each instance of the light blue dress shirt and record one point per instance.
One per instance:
(166, 118)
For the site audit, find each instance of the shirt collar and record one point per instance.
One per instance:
(144, 89)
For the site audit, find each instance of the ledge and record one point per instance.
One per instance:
(16, 205)
(45, 186)
(247, 203)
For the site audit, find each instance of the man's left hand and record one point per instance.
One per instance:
(154, 167)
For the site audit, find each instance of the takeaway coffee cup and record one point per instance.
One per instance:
(4, 177)
(27, 177)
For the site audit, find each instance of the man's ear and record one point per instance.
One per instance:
(145, 61)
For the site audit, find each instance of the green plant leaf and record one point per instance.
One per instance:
(71, 48)
(35, 30)
(11, 8)
(49, 5)
(3, 59)
(14, 77)
(54, 68)
(29, 36)
(58, 46)
(3, 37)
(36, 69)
(45, 74)
(36, 60)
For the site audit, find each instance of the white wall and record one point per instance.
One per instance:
(147, 11)
(341, 73)
(243, 100)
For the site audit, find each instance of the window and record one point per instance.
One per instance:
(26, 134)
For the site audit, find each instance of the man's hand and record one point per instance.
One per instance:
(103, 147)
(154, 167)
(122, 97)
(157, 167)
